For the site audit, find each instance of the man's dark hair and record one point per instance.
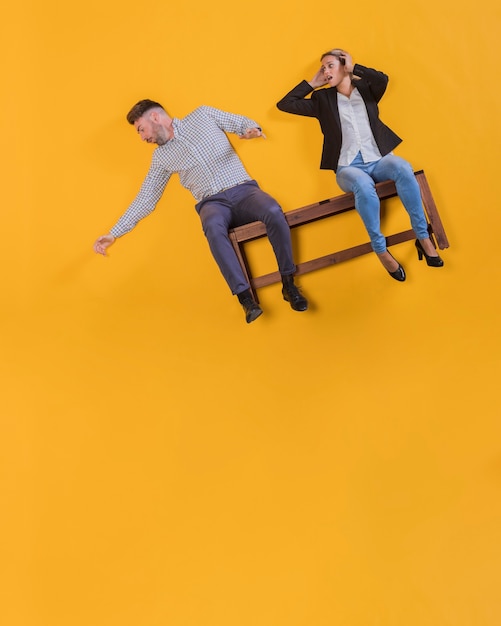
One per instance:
(139, 109)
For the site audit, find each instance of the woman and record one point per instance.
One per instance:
(358, 147)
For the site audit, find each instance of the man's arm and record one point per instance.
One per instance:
(243, 126)
(145, 202)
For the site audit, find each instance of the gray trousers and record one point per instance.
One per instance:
(236, 206)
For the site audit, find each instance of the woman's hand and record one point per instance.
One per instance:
(348, 61)
(318, 80)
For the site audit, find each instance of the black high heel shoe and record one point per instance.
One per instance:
(432, 261)
(399, 273)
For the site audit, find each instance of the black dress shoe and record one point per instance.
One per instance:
(294, 297)
(252, 310)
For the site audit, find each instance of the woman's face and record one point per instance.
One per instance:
(333, 70)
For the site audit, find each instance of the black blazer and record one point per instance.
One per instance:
(323, 105)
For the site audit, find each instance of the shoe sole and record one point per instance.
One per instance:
(253, 315)
(294, 308)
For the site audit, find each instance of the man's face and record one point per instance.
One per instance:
(333, 70)
(151, 130)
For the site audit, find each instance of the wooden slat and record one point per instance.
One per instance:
(312, 212)
(331, 259)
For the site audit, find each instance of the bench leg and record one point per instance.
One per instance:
(431, 211)
(242, 259)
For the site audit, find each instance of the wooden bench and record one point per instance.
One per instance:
(327, 208)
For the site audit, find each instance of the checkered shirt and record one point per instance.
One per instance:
(200, 153)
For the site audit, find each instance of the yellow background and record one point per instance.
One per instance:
(161, 461)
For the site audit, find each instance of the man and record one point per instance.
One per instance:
(197, 148)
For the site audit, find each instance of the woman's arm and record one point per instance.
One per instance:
(296, 101)
(377, 81)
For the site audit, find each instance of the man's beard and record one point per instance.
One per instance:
(161, 136)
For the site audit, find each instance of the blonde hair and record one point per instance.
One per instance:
(336, 52)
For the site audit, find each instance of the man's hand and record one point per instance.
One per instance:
(252, 133)
(103, 243)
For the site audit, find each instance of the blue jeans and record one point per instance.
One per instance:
(239, 205)
(361, 178)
